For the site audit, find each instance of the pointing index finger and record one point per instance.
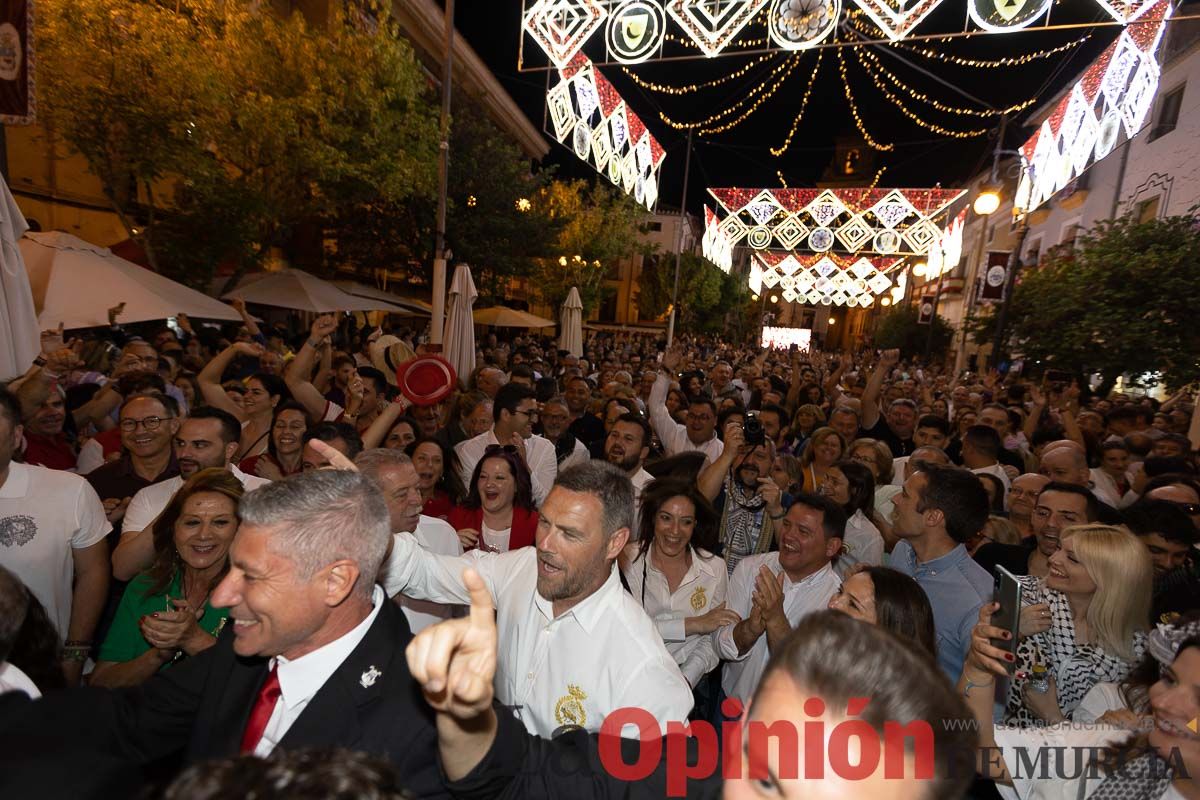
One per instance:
(481, 598)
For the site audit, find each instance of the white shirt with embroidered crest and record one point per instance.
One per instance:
(300, 680)
(702, 589)
(602, 655)
(743, 672)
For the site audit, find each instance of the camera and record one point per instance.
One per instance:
(752, 432)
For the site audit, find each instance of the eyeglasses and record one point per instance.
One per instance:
(493, 449)
(149, 423)
(532, 413)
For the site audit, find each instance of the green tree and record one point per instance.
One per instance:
(706, 294)
(206, 112)
(1123, 303)
(596, 223)
(899, 327)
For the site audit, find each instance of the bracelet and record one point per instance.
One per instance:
(313, 345)
(77, 643)
(972, 684)
(75, 654)
(40, 361)
(51, 375)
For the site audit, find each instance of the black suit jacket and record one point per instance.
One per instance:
(199, 708)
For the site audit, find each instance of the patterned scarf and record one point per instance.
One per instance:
(1076, 667)
(746, 527)
(1146, 777)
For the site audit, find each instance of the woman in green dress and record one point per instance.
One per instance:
(164, 614)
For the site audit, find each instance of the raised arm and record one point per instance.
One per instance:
(984, 662)
(210, 377)
(712, 477)
(239, 305)
(298, 374)
(660, 418)
(375, 435)
(870, 398)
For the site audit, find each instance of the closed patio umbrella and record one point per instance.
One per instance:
(503, 317)
(19, 333)
(570, 332)
(459, 335)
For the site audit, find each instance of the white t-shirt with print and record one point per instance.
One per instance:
(46, 514)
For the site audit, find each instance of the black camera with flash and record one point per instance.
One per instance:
(752, 431)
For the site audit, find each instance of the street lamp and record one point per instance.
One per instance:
(988, 199)
(774, 298)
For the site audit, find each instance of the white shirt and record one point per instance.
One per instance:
(45, 515)
(639, 482)
(1100, 699)
(863, 545)
(1038, 742)
(436, 536)
(674, 436)
(579, 455)
(300, 680)
(898, 464)
(148, 503)
(702, 589)
(91, 457)
(602, 655)
(1105, 489)
(743, 673)
(539, 457)
(12, 679)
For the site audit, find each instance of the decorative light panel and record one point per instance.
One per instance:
(822, 279)
(885, 221)
(715, 244)
(588, 115)
(946, 252)
(1115, 92)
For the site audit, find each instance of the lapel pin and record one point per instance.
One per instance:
(369, 677)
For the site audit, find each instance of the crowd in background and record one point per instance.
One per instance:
(688, 530)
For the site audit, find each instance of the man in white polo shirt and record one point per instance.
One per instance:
(514, 411)
(52, 529)
(209, 437)
(574, 645)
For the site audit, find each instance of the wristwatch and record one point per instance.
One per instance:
(40, 361)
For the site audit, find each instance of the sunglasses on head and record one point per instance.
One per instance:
(493, 449)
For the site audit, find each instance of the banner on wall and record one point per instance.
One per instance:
(926, 309)
(16, 62)
(995, 275)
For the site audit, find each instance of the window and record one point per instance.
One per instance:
(1147, 210)
(1033, 251)
(1168, 113)
(1070, 232)
(655, 226)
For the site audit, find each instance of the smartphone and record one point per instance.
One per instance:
(1008, 595)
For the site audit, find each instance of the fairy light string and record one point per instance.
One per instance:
(764, 97)
(756, 95)
(696, 87)
(862, 128)
(921, 96)
(812, 80)
(896, 101)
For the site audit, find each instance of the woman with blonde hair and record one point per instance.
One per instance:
(825, 447)
(807, 419)
(877, 457)
(1085, 621)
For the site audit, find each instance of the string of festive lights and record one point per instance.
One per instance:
(916, 95)
(787, 142)
(862, 128)
(873, 32)
(898, 103)
(768, 86)
(695, 87)
(782, 180)
(764, 97)
(878, 175)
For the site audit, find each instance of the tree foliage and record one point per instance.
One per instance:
(218, 129)
(900, 327)
(1124, 302)
(706, 294)
(594, 222)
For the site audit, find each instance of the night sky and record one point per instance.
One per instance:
(741, 156)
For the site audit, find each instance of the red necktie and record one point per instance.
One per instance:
(260, 715)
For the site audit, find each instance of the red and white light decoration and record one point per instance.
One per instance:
(1117, 91)
(945, 253)
(884, 221)
(822, 279)
(604, 132)
(715, 245)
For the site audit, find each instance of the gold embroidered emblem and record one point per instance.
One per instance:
(699, 599)
(569, 709)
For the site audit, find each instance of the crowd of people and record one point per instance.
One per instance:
(238, 560)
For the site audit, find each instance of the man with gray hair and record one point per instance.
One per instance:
(313, 655)
(393, 472)
(574, 645)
